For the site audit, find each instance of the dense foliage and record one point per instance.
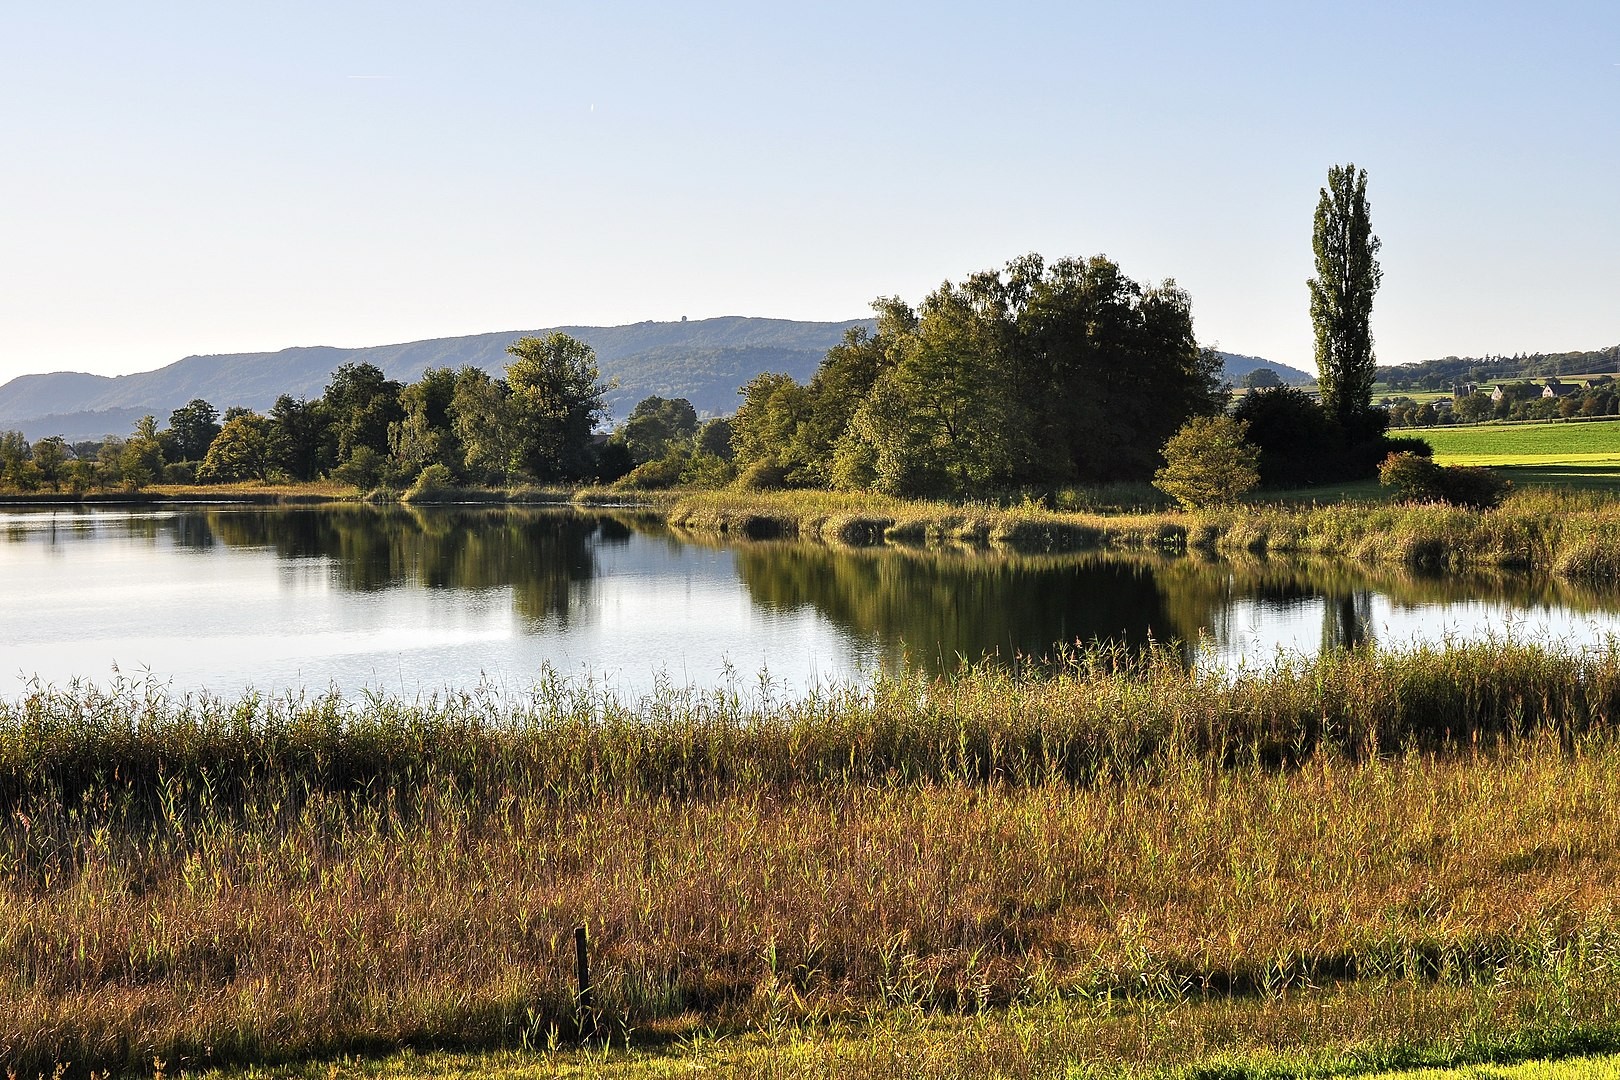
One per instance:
(1347, 276)
(1208, 462)
(1036, 374)
(536, 423)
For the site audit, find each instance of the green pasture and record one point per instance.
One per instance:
(1587, 444)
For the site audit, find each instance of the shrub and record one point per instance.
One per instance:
(430, 483)
(1412, 478)
(763, 476)
(1208, 462)
(1478, 488)
(1418, 479)
(652, 475)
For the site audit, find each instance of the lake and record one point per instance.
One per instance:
(409, 601)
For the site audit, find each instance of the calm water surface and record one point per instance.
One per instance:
(411, 601)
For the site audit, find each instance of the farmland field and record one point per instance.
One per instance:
(1594, 443)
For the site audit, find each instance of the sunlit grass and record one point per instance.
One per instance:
(1569, 533)
(1327, 852)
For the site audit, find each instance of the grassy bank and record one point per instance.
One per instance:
(1574, 535)
(1341, 854)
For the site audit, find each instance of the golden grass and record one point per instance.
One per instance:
(1563, 532)
(257, 880)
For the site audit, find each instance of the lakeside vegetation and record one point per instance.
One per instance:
(1570, 534)
(1122, 862)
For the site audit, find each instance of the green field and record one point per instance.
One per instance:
(1584, 444)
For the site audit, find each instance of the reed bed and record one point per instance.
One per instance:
(1575, 535)
(202, 880)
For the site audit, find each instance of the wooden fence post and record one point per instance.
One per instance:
(582, 968)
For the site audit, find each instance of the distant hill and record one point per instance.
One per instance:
(704, 361)
(1237, 366)
(1447, 371)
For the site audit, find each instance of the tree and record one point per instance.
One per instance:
(296, 436)
(557, 397)
(14, 456)
(242, 450)
(50, 458)
(482, 419)
(424, 436)
(192, 428)
(1347, 276)
(1262, 378)
(360, 402)
(141, 461)
(655, 424)
(1297, 440)
(1207, 462)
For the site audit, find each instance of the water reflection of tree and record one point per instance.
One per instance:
(546, 558)
(944, 606)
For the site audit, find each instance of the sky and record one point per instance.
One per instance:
(197, 177)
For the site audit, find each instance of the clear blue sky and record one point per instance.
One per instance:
(187, 177)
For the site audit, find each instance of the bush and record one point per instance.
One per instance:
(1478, 488)
(180, 472)
(1208, 462)
(430, 483)
(653, 475)
(763, 476)
(1412, 478)
(1418, 479)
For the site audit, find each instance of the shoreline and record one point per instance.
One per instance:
(1573, 535)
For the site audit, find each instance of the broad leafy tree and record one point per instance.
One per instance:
(557, 397)
(483, 421)
(360, 402)
(1347, 276)
(141, 461)
(655, 425)
(424, 435)
(14, 458)
(50, 458)
(296, 437)
(241, 451)
(192, 428)
(1208, 463)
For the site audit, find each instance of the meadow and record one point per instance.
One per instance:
(1366, 859)
(1590, 442)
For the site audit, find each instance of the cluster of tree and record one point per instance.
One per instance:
(1521, 400)
(55, 464)
(1035, 375)
(535, 423)
(1448, 372)
(662, 444)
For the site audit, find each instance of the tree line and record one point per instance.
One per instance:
(1034, 376)
(534, 423)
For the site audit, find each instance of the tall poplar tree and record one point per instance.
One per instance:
(1347, 275)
